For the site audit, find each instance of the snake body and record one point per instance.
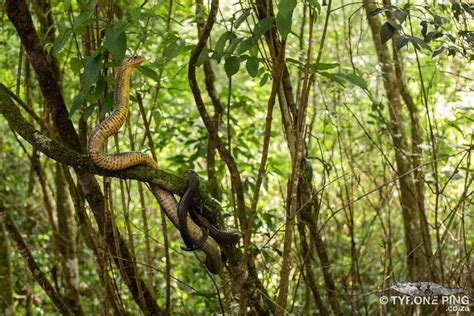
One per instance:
(119, 161)
(186, 206)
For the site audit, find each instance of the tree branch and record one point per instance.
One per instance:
(82, 163)
(30, 261)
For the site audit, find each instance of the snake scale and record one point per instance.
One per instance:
(192, 233)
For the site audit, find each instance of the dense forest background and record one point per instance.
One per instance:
(336, 136)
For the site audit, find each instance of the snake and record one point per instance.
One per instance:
(187, 206)
(119, 161)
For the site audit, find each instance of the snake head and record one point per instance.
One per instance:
(132, 61)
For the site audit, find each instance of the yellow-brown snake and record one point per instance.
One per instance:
(119, 161)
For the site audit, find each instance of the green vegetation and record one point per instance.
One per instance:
(336, 137)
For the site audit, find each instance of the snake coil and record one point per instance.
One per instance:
(110, 126)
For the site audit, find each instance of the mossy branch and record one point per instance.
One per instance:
(83, 163)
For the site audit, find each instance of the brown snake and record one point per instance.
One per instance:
(119, 161)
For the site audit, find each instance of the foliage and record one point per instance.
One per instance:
(349, 158)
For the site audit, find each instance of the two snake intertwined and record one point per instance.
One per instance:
(195, 235)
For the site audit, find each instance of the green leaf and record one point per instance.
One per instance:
(232, 65)
(285, 17)
(354, 79)
(233, 45)
(76, 103)
(156, 117)
(202, 57)
(283, 24)
(80, 22)
(287, 6)
(401, 41)
(437, 51)
(220, 44)
(150, 73)
(382, 9)
(468, 8)
(89, 4)
(217, 56)
(386, 32)
(315, 4)
(252, 66)
(394, 24)
(424, 28)
(175, 48)
(432, 35)
(417, 42)
(333, 77)
(108, 104)
(135, 14)
(115, 39)
(100, 86)
(262, 27)
(67, 5)
(264, 79)
(88, 112)
(61, 40)
(76, 65)
(245, 45)
(242, 18)
(91, 70)
(324, 66)
(295, 62)
(400, 15)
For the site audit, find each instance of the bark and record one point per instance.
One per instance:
(97, 244)
(417, 248)
(209, 80)
(6, 284)
(308, 273)
(84, 165)
(67, 242)
(25, 252)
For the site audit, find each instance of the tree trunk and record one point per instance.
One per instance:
(67, 243)
(6, 287)
(418, 249)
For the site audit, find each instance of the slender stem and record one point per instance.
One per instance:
(30, 261)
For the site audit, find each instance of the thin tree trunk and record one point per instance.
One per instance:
(6, 287)
(30, 261)
(418, 262)
(67, 242)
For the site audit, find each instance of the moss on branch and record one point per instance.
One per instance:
(83, 163)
